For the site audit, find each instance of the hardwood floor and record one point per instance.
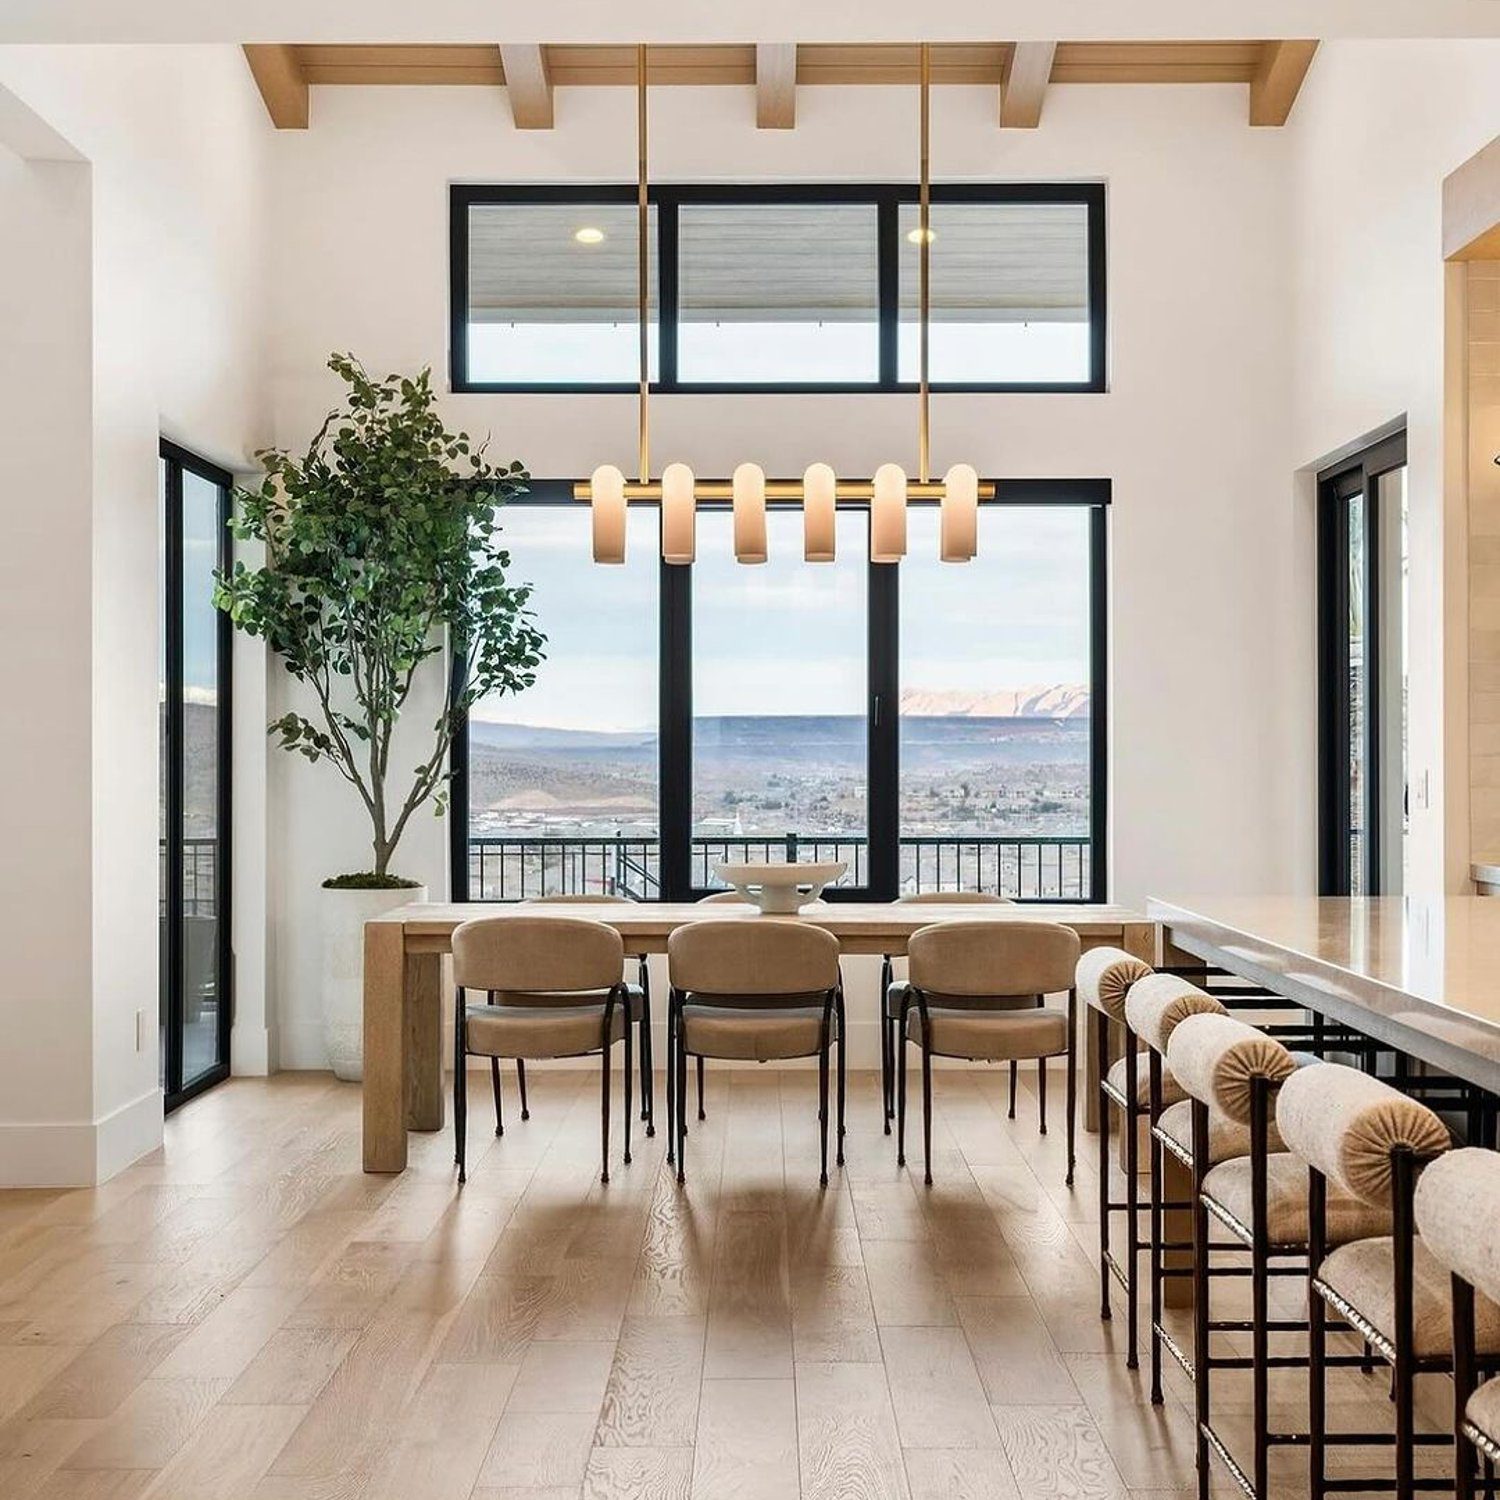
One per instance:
(246, 1315)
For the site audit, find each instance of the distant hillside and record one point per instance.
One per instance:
(1058, 702)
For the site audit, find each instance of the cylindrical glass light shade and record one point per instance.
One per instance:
(960, 514)
(607, 492)
(749, 514)
(678, 515)
(819, 508)
(888, 515)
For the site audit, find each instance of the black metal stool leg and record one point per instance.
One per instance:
(1041, 1096)
(701, 1115)
(495, 1085)
(1014, 1068)
(521, 1085)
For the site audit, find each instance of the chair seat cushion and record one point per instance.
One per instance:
(1227, 1138)
(752, 1035)
(1483, 1410)
(993, 1035)
(537, 1031)
(1171, 1091)
(1349, 1218)
(1364, 1275)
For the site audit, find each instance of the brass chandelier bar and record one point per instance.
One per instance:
(846, 491)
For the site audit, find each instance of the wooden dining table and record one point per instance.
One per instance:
(404, 950)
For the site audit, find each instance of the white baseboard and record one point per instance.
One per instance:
(249, 1051)
(300, 1047)
(80, 1153)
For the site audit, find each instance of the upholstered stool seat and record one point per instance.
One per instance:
(1226, 1187)
(1363, 1275)
(531, 1031)
(991, 1035)
(752, 1035)
(1227, 1138)
(1172, 1092)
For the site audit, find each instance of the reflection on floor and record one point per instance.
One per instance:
(246, 1315)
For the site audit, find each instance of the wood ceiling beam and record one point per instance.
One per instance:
(776, 85)
(283, 85)
(528, 82)
(1273, 90)
(1027, 74)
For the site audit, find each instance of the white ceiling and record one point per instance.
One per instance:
(730, 20)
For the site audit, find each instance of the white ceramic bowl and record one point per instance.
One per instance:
(780, 888)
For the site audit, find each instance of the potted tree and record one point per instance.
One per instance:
(380, 553)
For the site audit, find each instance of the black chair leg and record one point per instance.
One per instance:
(1041, 1095)
(460, 1110)
(899, 1063)
(495, 1085)
(629, 1084)
(670, 1078)
(823, 1113)
(648, 1072)
(681, 1077)
(1014, 1070)
(839, 1134)
(521, 1085)
(887, 1070)
(926, 1113)
(1072, 1099)
(604, 1113)
(701, 1115)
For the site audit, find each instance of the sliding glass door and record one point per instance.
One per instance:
(194, 821)
(1362, 603)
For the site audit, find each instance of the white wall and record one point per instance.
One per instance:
(1210, 683)
(174, 142)
(1377, 128)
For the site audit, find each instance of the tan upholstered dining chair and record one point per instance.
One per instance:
(892, 972)
(976, 991)
(638, 997)
(762, 990)
(556, 989)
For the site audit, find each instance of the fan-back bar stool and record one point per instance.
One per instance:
(1457, 1208)
(976, 991)
(638, 997)
(890, 977)
(558, 991)
(1361, 1137)
(1103, 978)
(753, 991)
(1261, 1199)
(1153, 1008)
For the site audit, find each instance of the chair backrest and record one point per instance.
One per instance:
(953, 898)
(1348, 1125)
(589, 898)
(1218, 1060)
(1104, 977)
(1159, 1003)
(993, 960)
(758, 959)
(540, 956)
(1458, 1207)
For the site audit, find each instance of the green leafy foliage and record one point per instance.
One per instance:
(381, 543)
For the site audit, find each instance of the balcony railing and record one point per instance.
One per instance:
(1041, 868)
(200, 865)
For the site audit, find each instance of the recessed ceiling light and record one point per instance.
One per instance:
(589, 235)
(915, 236)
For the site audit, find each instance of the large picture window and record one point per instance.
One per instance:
(934, 725)
(802, 287)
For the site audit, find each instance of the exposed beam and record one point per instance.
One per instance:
(776, 85)
(283, 85)
(1025, 84)
(528, 81)
(1273, 90)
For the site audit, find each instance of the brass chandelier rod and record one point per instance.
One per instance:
(643, 292)
(924, 266)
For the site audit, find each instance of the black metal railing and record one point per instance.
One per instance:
(200, 865)
(1024, 867)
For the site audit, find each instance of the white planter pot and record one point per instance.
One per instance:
(344, 916)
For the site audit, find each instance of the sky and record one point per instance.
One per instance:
(788, 637)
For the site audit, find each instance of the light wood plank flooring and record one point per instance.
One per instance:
(246, 1315)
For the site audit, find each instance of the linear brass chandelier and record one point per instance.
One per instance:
(820, 490)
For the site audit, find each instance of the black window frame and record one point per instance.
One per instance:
(1359, 474)
(179, 460)
(883, 725)
(887, 198)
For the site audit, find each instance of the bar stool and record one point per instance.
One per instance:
(976, 991)
(1457, 1206)
(638, 996)
(558, 991)
(1363, 1138)
(891, 997)
(1261, 1198)
(1103, 977)
(756, 991)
